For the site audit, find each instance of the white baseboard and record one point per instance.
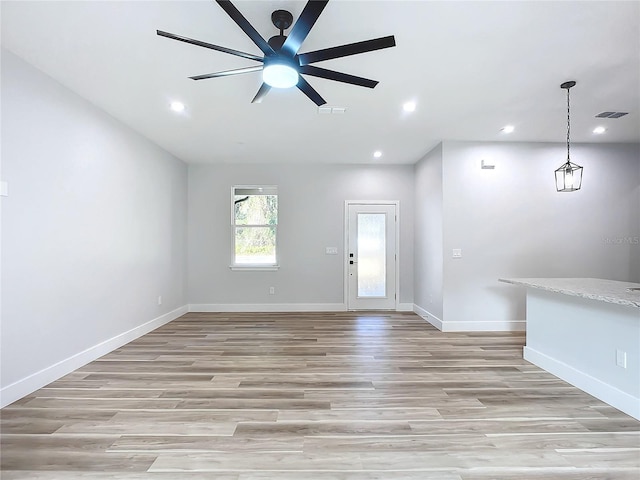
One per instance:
(428, 316)
(471, 326)
(623, 401)
(267, 307)
(484, 326)
(35, 381)
(279, 307)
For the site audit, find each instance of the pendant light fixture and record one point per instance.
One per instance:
(569, 175)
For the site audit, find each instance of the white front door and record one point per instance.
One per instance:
(371, 256)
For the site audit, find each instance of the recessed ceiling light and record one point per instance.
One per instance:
(377, 154)
(409, 107)
(599, 130)
(177, 106)
(507, 129)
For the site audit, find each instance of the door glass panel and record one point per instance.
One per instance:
(371, 255)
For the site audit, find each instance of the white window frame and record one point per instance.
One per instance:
(251, 266)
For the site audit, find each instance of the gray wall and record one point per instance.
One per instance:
(510, 222)
(311, 217)
(634, 220)
(428, 253)
(93, 229)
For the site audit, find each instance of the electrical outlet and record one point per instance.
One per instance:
(457, 253)
(621, 358)
(159, 299)
(272, 290)
(331, 250)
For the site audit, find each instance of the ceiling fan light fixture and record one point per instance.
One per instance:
(280, 75)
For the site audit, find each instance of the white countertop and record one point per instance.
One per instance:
(610, 291)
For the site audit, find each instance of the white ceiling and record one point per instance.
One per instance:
(471, 67)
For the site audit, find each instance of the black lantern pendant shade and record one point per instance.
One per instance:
(569, 175)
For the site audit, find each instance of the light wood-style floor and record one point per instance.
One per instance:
(350, 396)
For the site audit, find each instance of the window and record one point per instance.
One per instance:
(255, 226)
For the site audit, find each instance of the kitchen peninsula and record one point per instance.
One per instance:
(586, 331)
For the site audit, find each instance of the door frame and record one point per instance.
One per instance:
(345, 269)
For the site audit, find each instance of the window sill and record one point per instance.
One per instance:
(255, 268)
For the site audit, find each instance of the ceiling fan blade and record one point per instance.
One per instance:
(226, 73)
(246, 27)
(308, 90)
(346, 50)
(303, 25)
(338, 76)
(209, 45)
(262, 92)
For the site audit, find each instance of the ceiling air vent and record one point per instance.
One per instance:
(324, 110)
(611, 114)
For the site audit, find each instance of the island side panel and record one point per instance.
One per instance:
(577, 339)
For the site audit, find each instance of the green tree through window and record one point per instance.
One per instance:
(255, 223)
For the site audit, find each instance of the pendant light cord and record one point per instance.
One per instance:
(568, 125)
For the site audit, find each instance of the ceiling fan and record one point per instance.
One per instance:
(282, 65)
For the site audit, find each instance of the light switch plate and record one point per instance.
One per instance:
(331, 250)
(457, 253)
